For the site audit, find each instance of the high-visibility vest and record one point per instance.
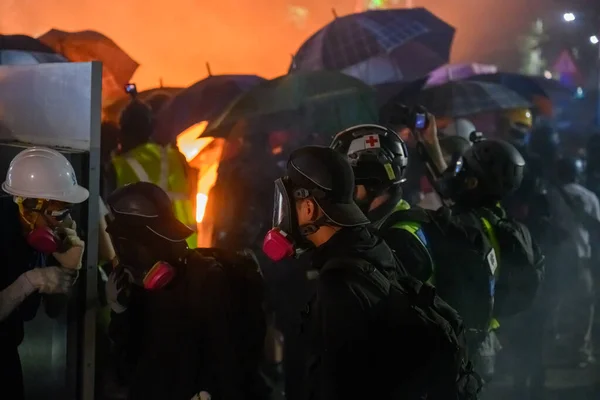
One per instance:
(491, 235)
(416, 230)
(162, 166)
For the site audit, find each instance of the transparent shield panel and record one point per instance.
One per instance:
(47, 104)
(279, 204)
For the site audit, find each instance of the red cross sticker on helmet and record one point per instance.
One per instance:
(372, 142)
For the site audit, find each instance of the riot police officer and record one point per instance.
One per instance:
(431, 245)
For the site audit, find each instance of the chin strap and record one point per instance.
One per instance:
(311, 228)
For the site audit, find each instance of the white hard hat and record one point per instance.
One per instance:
(460, 127)
(42, 173)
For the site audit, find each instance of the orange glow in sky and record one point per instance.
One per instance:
(172, 40)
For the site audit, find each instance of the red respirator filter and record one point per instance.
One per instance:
(159, 276)
(43, 240)
(277, 246)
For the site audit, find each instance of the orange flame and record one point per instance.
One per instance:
(190, 145)
(202, 154)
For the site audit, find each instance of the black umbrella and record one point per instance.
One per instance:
(463, 98)
(203, 101)
(112, 111)
(528, 86)
(379, 45)
(309, 93)
(25, 50)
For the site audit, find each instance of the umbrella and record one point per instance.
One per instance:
(463, 98)
(455, 72)
(118, 67)
(542, 92)
(323, 97)
(25, 50)
(203, 101)
(112, 112)
(379, 45)
(529, 87)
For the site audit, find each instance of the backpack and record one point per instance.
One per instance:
(464, 264)
(249, 317)
(521, 263)
(431, 333)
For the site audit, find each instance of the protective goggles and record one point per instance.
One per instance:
(41, 206)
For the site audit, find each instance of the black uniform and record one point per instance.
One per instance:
(372, 331)
(348, 357)
(191, 331)
(178, 340)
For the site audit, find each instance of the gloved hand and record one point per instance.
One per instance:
(117, 290)
(70, 254)
(52, 280)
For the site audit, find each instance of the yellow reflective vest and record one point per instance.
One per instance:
(415, 229)
(161, 165)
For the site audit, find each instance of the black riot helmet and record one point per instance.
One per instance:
(379, 158)
(498, 167)
(146, 234)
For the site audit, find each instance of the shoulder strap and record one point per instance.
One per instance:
(364, 266)
(421, 294)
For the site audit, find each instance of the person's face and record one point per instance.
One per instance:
(361, 192)
(136, 258)
(361, 195)
(463, 190)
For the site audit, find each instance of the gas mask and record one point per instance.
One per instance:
(141, 266)
(43, 239)
(286, 238)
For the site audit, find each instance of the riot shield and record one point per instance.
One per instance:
(59, 106)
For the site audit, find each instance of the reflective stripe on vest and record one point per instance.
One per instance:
(491, 235)
(164, 172)
(162, 166)
(415, 229)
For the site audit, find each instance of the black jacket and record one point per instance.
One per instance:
(177, 341)
(453, 238)
(348, 359)
(18, 257)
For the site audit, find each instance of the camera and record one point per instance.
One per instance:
(414, 118)
(131, 89)
(420, 120)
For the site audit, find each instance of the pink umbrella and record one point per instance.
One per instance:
(456, 72)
